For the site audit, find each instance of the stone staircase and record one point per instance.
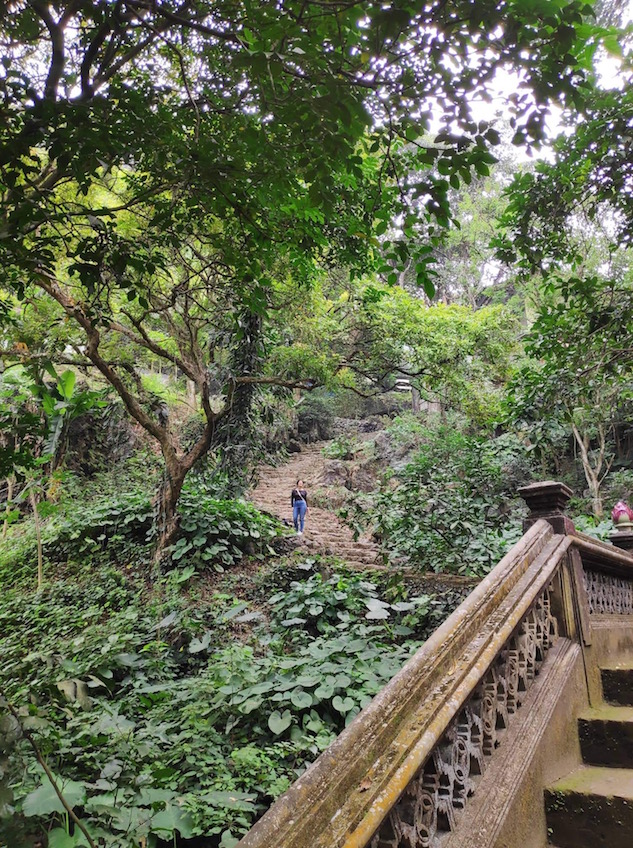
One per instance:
(324, 533)
(592, 807)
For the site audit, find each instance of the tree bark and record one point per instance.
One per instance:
(593, 471)
(10, 485)
(38, 536)
(165, 503)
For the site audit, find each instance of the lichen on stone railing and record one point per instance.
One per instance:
(432, 800)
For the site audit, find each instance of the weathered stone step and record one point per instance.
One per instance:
(617, 687)
(325, 533)
(591, 808)
(606, 737)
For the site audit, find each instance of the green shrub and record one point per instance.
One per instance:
(595, 527)
(119, 529)
(218, 532)
(454, 506)
(618, 486)
(315, 418)
(343, 447)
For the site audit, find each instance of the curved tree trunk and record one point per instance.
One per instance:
(594, 474)
(165, 504)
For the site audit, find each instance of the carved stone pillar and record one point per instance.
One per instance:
(548, 500)
(622, 539)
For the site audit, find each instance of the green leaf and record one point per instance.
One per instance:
(301, 699)
(250, 705)
(342, 705)
(324, 691)
(198, 645)
(44, 800)
(381, 228)
(58, 838)
(172, 819)
(66, 384)
(278, 722)
(229, 800)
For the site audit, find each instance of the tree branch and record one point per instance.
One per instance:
(56, 32)
(29, 738)
(143, 340)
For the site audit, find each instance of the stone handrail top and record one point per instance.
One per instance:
(603, 557)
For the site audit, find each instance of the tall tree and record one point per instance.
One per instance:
(579, 370)
(243, 137)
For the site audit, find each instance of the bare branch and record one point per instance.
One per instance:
(306, 384)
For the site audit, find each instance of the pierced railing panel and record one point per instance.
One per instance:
(608, 594)
(431, 803)
(607, 577)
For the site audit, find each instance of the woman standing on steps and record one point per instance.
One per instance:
(299, 502)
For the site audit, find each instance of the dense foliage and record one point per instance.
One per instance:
(162, 712)
(453, 507)
(164, 166)
(226, 229)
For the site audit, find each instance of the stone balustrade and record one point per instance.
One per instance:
(406, 770)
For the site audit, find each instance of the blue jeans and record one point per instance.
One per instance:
(298, 515)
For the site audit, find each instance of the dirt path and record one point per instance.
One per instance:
(324, 532)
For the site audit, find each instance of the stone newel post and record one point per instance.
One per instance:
(622, 536)
(548, 500)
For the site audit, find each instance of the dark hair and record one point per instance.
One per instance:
(299, 481)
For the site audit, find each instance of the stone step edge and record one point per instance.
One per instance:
(585, 780)
(608, 712)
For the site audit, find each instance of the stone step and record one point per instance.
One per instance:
(606, 737)
(591, 808)
(617, 686)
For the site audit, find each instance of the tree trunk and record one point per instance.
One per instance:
(592, 472)
(10, 485)
(165, 503)
(38, 536)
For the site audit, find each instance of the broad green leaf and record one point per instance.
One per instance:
(343, 705)
(173, 818)
(66, 384)
(44, 800)
(198, 645)
(278, 722)
(58, 838)
(301, 699)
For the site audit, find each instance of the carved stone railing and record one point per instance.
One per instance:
(402, 772)
(433, 799)
(607, 577)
